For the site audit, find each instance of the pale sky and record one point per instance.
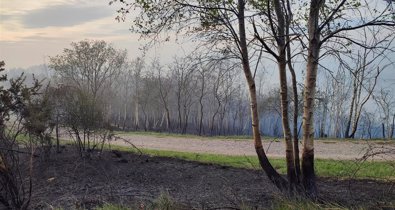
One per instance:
(32, 30)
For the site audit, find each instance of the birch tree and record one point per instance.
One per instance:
(216, 23)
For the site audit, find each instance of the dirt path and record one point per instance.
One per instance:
(324, 149)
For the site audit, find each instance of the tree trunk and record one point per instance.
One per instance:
(308, 172)
(289, 153)
(136, 114)
(295, 112)
(282, 64)
(125, 114)
(273, 175)
(57, 134)
(392, 127)
(348, 126)
(201, 105)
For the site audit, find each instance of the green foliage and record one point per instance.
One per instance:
(22, 112)
(17, 97)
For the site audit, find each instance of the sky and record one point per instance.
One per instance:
(32, 30)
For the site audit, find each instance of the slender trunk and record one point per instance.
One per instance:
(289, 153)
(282, 65)
(201, 119)
(136, 114)
(348, 126)
(295, 112)
(392, 127)
(323, 120)
(273, 175)
(308, 172)
(179, 112)
(167, 119)
(57, 134)
(383, 130)
(201, 105)
(124, 115)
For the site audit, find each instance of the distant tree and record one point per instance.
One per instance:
(85, 73)
(386, 102)
(89, 66)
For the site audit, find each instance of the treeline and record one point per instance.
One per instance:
(206, 95)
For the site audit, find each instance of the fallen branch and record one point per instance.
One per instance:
(18, 151)
(130, 143)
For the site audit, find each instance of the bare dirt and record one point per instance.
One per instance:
(71, 182)
(324, 149)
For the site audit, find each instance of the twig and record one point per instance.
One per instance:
(23, 152)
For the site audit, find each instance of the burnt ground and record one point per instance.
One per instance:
(69, 181)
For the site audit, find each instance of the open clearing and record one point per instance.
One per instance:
(324, 149)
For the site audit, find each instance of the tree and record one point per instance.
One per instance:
(88, 65)
(165, 87)
(279, 26)
(386, 102)
(326, 25)
(85, 73)
(220, 23)
(22, 112)
(365, 73)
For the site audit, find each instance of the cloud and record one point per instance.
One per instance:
(5, 17)
(63, 16)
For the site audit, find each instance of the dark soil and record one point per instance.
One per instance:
(70, 182)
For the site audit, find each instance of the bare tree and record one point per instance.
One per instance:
(215, 22)
(386, 102)
(165, 87)
(86, 71)
(326, 28)
(365, 73)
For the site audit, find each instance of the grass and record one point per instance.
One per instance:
(163, 202)
(178, 135)
(281, 203)
(381, 170)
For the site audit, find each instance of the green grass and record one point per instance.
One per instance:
(382, 170)
(178, 135)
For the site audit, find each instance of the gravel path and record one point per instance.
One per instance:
(324, 149)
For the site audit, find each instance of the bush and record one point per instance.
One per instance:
(21, 114)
